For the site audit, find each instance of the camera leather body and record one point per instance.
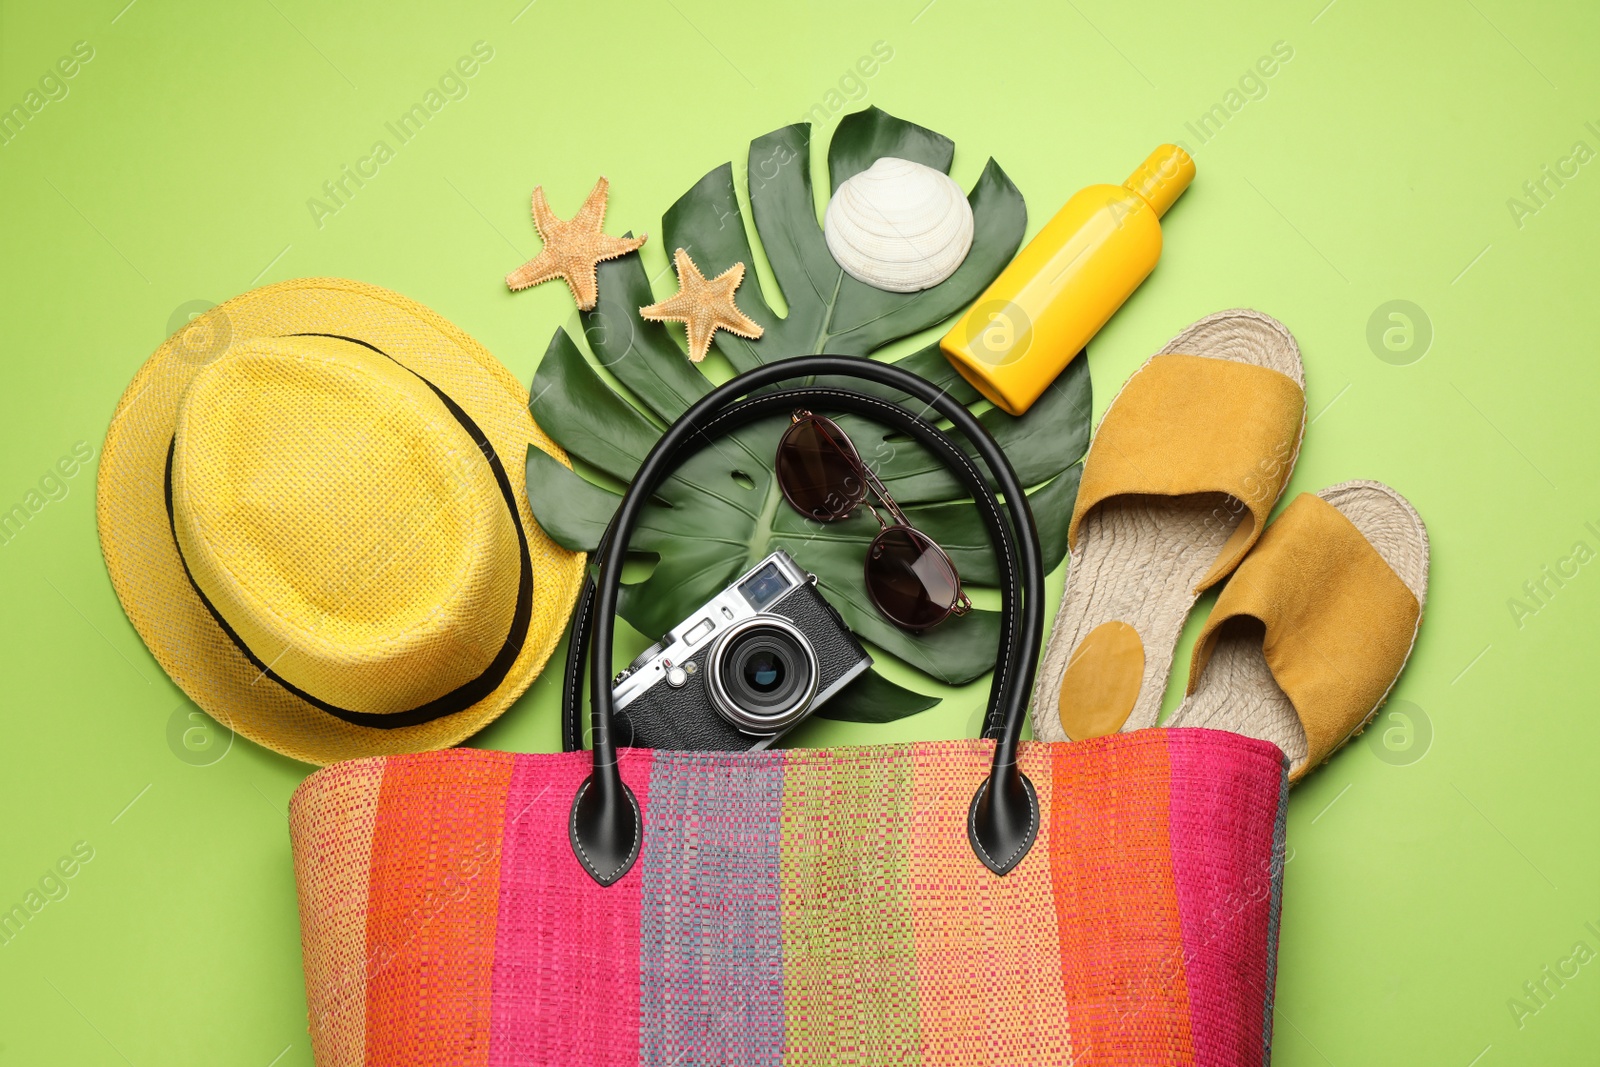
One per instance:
(682, 718)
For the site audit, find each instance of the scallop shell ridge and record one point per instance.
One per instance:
(899, 225)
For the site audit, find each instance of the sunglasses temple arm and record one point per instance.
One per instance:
(963, 602)
(879, 491)
(864, 472)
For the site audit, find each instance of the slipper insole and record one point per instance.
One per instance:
(1237, 692)
(1137, 563)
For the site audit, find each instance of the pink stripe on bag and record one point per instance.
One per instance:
(1226, 793)
(566, 964)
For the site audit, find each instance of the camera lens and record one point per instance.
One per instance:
(764, 668)
(764, 671)
(763, 675)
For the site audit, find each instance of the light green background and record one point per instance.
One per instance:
(1423, 892)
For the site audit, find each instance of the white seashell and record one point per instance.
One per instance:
(899, 226)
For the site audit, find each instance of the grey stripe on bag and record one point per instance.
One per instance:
(710, 943)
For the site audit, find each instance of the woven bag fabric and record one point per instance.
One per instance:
(797, 907)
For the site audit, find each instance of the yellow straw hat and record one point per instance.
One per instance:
(313, 506)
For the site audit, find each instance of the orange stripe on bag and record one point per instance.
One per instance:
(1121, 932)
(433, 900)
(988, 969)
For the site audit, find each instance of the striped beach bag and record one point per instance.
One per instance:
(989, 901)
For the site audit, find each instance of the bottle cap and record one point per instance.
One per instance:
(1162, 177)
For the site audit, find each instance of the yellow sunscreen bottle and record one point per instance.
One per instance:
(1066, 283)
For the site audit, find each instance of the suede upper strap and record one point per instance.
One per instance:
(1339, 622)
(1196, 424)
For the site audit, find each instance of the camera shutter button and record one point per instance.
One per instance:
(677, 677)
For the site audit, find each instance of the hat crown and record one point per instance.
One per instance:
(342, 520)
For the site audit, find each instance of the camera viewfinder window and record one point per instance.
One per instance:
(764, 586)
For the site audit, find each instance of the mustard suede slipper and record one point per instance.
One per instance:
(1184, 469)
(1310, 633)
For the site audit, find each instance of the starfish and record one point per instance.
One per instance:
(703, 306)
(572, 248)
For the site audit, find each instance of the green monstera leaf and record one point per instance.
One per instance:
(722, 510)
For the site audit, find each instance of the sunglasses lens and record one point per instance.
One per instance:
(817, 470)
(910, 579)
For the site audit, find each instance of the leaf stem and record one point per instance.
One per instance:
(819, 346)
(761, 532)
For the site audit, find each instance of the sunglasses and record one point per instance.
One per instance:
(909, 577)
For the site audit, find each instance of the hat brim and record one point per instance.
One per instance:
(149, 576)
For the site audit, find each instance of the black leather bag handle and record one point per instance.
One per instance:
(767, 404)
(605, 828)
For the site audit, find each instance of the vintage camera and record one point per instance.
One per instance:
(744, 669)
